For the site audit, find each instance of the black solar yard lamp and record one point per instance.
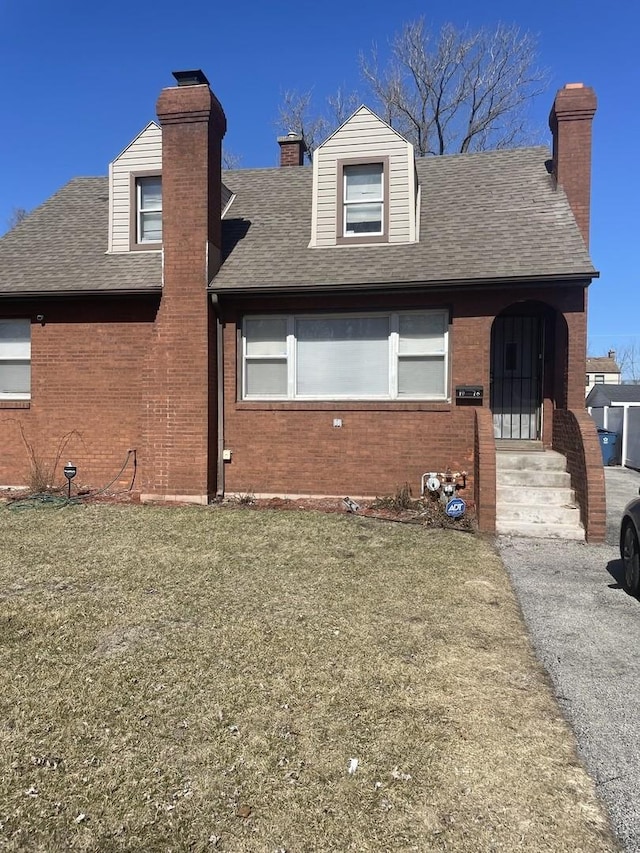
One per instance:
(70, 472)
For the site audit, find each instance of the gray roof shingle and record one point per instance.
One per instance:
(602, 364)
(484, 217)
(603, 395)
(488, 216)
(61, 247)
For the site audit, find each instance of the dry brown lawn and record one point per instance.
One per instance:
(205, 679)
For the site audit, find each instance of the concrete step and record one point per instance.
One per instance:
(550, 460)
(535, 495)
(523, 478)
(538, 513)
(540, 531)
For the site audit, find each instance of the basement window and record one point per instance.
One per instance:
(15, 359)
(373, 356)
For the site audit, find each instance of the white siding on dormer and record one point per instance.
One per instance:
(367, 136)
(142, 155)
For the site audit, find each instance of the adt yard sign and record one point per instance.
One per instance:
(455, 508)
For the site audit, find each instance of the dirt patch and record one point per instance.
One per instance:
(428, 512)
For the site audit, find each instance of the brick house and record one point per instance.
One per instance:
(304, 330)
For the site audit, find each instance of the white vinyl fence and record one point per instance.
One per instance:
(623, 419)
(633, 438)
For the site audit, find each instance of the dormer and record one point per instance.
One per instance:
(135, 194)
(364, 185)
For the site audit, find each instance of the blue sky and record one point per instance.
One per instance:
(80, 79)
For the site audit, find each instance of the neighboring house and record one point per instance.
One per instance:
(617, 408)
(602, 370)
(304, 330)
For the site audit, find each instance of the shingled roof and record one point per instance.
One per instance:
(608, 394)
(485, 217)
(61, 248)
(602, 364)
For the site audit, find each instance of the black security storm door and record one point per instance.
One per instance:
(516, 377)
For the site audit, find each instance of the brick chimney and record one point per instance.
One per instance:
(570, 122)
(292, 149)
(179, 434)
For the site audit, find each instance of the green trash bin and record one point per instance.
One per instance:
(608, 446)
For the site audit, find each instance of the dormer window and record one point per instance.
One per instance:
(363, 199)
(363, 193)
(148, 211)
(364, 186)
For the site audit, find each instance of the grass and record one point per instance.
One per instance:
(196, 679)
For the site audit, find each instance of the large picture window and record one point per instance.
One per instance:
(15, 359)
(382, 356)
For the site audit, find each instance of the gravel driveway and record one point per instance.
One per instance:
(586, 631)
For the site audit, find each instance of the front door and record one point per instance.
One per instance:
(516, 377)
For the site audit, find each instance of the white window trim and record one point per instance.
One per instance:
(394, 357)
(16, 395)
(346, 204)
(140, 211)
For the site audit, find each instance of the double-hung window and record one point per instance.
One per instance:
(149, 209)
(15, 359)
(372, 356)
(363, 200)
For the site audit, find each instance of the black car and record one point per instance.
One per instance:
(630, 546)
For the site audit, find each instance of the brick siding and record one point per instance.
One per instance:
(86, 378)
(485, 471)
(575, 436)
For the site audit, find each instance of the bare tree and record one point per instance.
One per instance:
(628, 360)
(18, 215)
(464, 90)
(296, 114)
(230, 160)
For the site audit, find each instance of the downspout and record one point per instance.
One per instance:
(220, 392)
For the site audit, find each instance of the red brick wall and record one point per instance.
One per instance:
(485, 471)
(95, 364)
(86, 377)
(293, 448)
(575, 436)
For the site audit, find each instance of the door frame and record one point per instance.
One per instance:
(517, 374)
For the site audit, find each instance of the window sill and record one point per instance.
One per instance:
(363, 240)
(145, 247)
(15, 404)
(343, 406)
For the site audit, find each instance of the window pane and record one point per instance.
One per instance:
(363, 219)
(343, 357)
(363, 183)
(421, 377)
(421, 333)
(15, 377)
(150, 193)
(15, 339)
(266, 378)
(266, 336)
(151, 227)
